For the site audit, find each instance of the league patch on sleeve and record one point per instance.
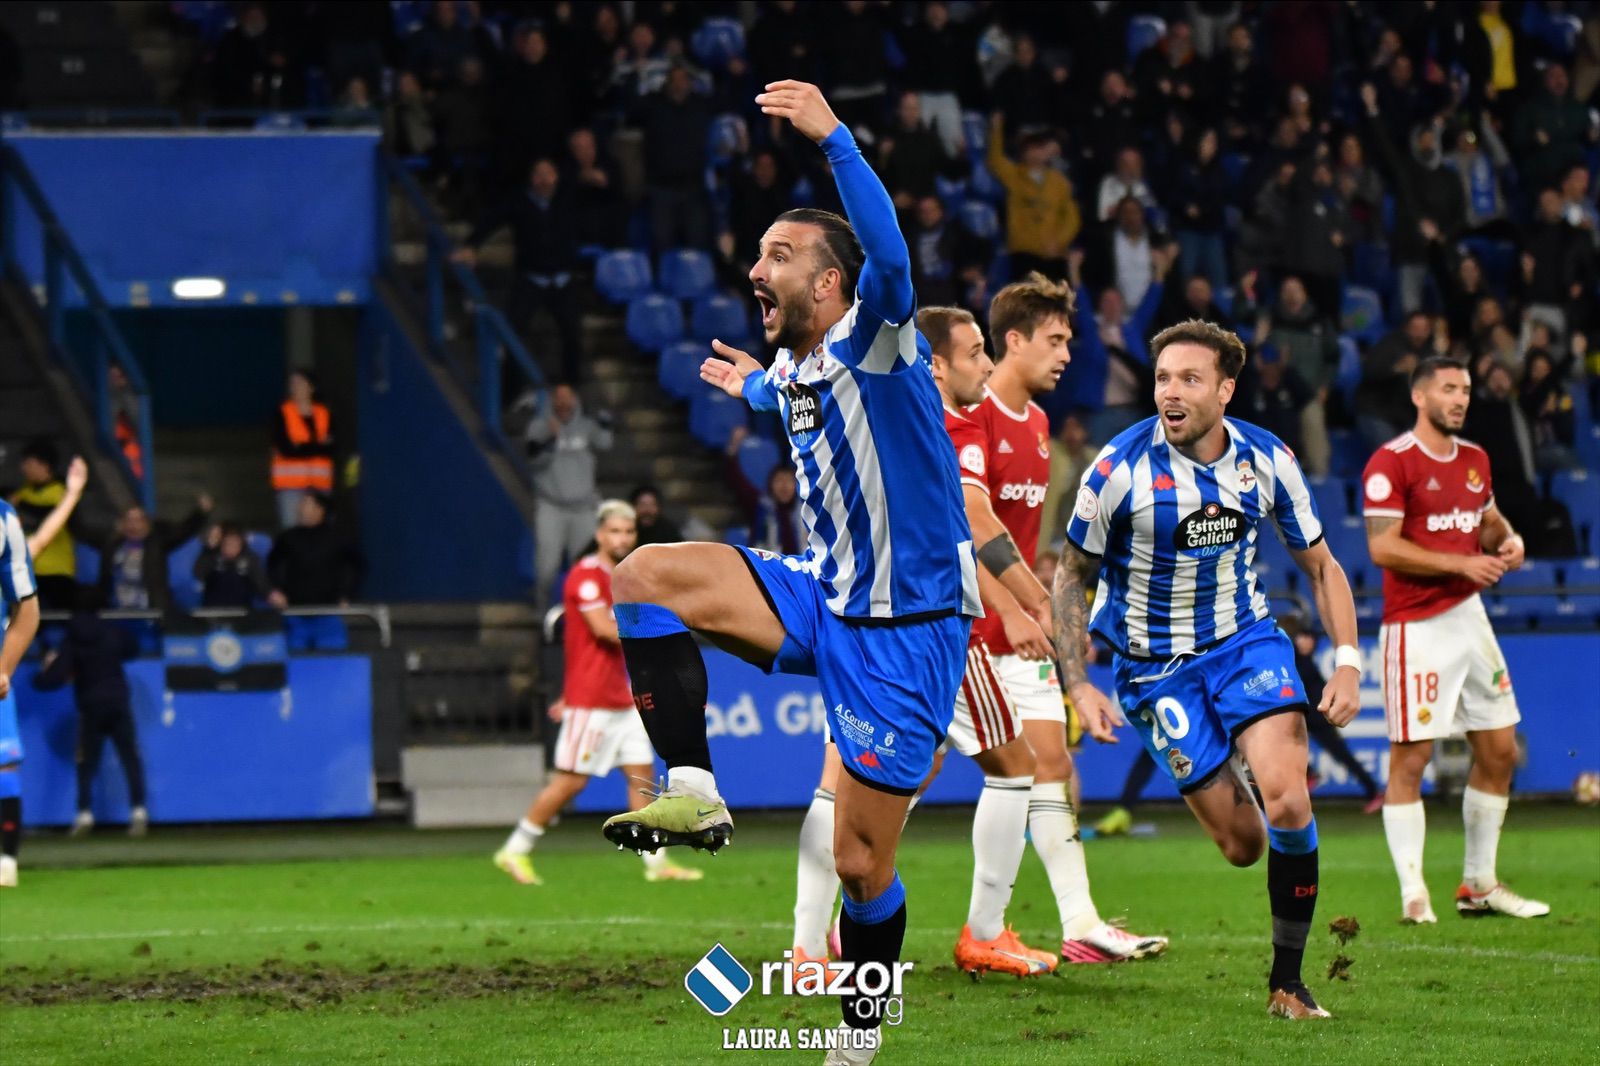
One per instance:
(1378, 487)
(972, 459)
(1088, 507)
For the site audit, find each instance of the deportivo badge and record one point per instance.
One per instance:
(1182, 765)
(1247, 476)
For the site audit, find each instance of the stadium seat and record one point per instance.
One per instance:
(1537, 574)
(737, 535)
(717, 41)
(950, 191)
(678, 369)
(622, 275)
(1347, 540)
(180, 574)
(1370, 266)
(757, 457)
(1580, 609)
(724, 138)
(718, 317)
(281, 122)
(979, 219)
(1361, 313)
(1273, 563)
(1144, 31)
(654, 321)
(1579, 491)
(1498, 259)
(88, 561)
(712, 416)
(1581, 574)
(975, 131)
(1331, 496)
(1369, 609)
(1520, 612)
(985, 186)
(1348, 377)
(1350, 453)
(686, 274)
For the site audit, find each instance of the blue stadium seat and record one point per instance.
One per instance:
(979, 219)
(975, 131)
(717, 41)
(1579, 609)
(712, 416)
(1348, 377)
(1498, 259)
(985, 186)
(1347, 540)
(1370, 266)
(622, 275)
(1533, 574)
(1361, 313)
(1579, 491)
(1144, 31)
(88, 560)
(678, 369)
(1273, 563)
(180, 574)
(281, 122)
(1331, 496)
(260, 543)
(1369, 609)
(686, 274)
(1521, 611)
(950, 191)
(1350, 453)
(757, 457)
(736, 535)
(1581, 574)
(726, 134)
(654, 321)
(719, 317)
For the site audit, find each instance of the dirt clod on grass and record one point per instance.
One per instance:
(1339, 968)
(277, 984)
(1345, 929)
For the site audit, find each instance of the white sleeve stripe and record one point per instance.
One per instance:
(1380, 512)
(19, 582)
(975, 483)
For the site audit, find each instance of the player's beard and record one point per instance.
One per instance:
(1440, 422)
(795, 320)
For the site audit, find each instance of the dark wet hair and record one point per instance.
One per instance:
(840, 248)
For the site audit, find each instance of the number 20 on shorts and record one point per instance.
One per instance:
(1167, 721)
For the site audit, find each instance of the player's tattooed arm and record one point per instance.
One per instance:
(1070, 605)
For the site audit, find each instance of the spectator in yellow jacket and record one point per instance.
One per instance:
(1042, 217)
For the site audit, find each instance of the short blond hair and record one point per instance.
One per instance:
(610, 509)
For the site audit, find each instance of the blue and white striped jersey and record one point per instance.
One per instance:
(880, 492)
(16, 565)
(1177, 538)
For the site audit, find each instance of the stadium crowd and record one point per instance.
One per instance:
(1350, 185)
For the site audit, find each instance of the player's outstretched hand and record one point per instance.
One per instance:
(729, 371)
(1024, 633)
(802, 104)
(1098, 714)
(1512, 552)
(1341, 696)
(77, 475)
(1483, 570)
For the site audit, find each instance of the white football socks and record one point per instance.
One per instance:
(700, 782)
(816, 882)
(523, 838)
(1054, 827)
(999, 837)
(1405, 826)
(1483, 813)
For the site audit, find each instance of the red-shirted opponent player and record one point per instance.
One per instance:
(1434, 529)
(600, 729)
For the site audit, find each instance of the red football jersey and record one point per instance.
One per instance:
(596, 678)
(1019, 475)
(1441, 501)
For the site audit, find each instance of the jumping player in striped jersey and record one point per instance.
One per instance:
(1168, 519)
(880, 605)
(19, 614)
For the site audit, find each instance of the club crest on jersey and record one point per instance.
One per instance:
(1044, 447)
(1182, 765)
(1474, 481)
(805, 410)
(1209, 531)
(1247, 476)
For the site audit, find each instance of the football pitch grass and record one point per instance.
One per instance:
(385, 945)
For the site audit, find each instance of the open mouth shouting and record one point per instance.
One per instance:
(769, 309)
(1174, 417)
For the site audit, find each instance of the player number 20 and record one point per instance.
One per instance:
(1166, 720)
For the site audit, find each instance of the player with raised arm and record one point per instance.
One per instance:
(879, 607)
(1434, 529)
(19, 613)
(600, 729)
(1167, 518)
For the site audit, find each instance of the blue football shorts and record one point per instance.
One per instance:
(10, 735)
(1187, 713)
(890, 689)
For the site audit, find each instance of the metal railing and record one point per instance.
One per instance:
(491, 337)
(376, 613)
(89, 361)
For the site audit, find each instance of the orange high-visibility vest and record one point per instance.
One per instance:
(305, 472)
(128, 441)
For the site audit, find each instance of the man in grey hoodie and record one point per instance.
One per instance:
(562, 445)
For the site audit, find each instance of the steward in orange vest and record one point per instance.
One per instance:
(302, 457)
